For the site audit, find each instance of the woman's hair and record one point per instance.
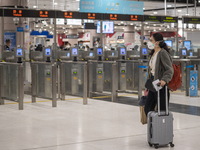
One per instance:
(158, 37)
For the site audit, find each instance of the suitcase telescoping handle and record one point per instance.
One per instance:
(166, 100)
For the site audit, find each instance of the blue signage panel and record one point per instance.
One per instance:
(112, 6)
(20, 29)
(193, 83)
(12, 37)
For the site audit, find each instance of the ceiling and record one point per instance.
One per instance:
(73, 5)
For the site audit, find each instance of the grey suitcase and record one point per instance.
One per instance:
(160, 126)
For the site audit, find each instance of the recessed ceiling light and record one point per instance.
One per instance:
(155, 12)
(179, 10)
(34, 6)
(144, 8)
(169, 5)
(55, 3)
(77, 0)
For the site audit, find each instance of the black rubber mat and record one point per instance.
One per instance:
(179, 108)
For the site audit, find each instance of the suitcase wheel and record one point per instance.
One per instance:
(150, 145)
(156, 146)
(171, 144)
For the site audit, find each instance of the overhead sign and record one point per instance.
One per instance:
(191, 20)
(93, 16)
(169, 19)
(116, 17)
(13, 12)
(136, 18)
(68, 15)
(152, 18)
(112, 6)
(44, 14)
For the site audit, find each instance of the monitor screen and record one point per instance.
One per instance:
(144, 51)
(113, 54)
(68, 54)
(19, 52)
(99, 51)
(184, 52)
(74, 51)
(187, 44)
(191, 53)
(123, 51)
(91, 54)
(169, 43)
(107, 27)
(47, 51)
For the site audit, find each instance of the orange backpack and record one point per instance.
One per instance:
(176, 81)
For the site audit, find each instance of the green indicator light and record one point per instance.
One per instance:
(74, 72)
(48, 73)
(99, 72)
(123, 71)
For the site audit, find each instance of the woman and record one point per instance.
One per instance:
(160, 67)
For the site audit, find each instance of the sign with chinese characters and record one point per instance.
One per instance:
(135, 18)
(191, 20)
(17, 13)
(92, 16)
(112, 6)
(68, 15)
(152, 18)
(44, 14)
(169, 19)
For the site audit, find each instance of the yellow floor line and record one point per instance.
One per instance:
(118, 96)
(72, 99)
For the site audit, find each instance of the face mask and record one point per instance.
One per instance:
(150, 45)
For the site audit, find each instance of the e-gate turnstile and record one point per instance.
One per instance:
(102, 78)
(73, 79)
(44, 78)
(12, 83)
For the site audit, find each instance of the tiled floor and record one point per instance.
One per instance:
(100, 125)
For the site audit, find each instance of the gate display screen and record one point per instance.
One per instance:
(144, 51)
(19, 52)
(184, 52)
(123, 51)
(187, 44)
(74, 51)
(99, 51)
(47, 51)
(169, 43)
(91, 54)
(68, 54)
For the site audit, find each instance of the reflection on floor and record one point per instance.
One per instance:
(100, 125)
(180, 108)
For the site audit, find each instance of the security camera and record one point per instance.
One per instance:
(25, 22)
(16, 21)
